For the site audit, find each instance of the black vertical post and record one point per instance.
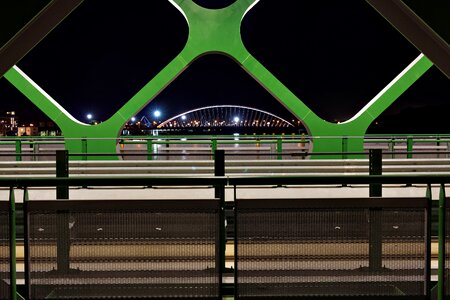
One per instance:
(62, 170)
(375, 168)
(219, 170)
(375, 222)
(375, 239)
(63, 234)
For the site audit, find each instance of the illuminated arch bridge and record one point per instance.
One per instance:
(227, 116)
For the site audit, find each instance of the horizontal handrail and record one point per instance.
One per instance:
(111, 181)
(286, 153)
(340, 179)
(223, 180)
(435, 144)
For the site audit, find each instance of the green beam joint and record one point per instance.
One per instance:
(218, 31)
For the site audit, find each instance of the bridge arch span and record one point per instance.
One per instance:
(225, 116)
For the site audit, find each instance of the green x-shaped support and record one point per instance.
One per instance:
(218, 31)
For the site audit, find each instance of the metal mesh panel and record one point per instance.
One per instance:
(330, 252)
(145, 253)
(5, 255)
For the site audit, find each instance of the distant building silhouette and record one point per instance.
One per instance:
(8, 123)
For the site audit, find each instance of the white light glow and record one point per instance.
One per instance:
(47, 96)
(383, 91)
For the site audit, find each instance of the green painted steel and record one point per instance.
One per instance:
(149, 149)
(279, 149)
(441, 247)
(409, 147)
(218, 31)
(213, 145)
(12, 241)
(18, 150)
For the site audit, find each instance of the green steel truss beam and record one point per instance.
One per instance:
(32, 33)
(416, 31)
(218, 31)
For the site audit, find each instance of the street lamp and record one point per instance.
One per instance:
(89, 116)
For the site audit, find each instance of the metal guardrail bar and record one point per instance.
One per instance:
(391, 142)
(343, 179)
(109, 181)
(290, 153)
(225, 180)
(231, 181)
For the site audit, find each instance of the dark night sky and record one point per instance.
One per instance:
(334, 55)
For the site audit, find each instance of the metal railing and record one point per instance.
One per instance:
(268, 146)
(220, 182)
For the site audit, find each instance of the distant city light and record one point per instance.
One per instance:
(133, 119)
(157, 113)
(236, 119)
(89, 116)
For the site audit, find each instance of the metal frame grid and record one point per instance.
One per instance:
(151, 247)
(374, 209)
